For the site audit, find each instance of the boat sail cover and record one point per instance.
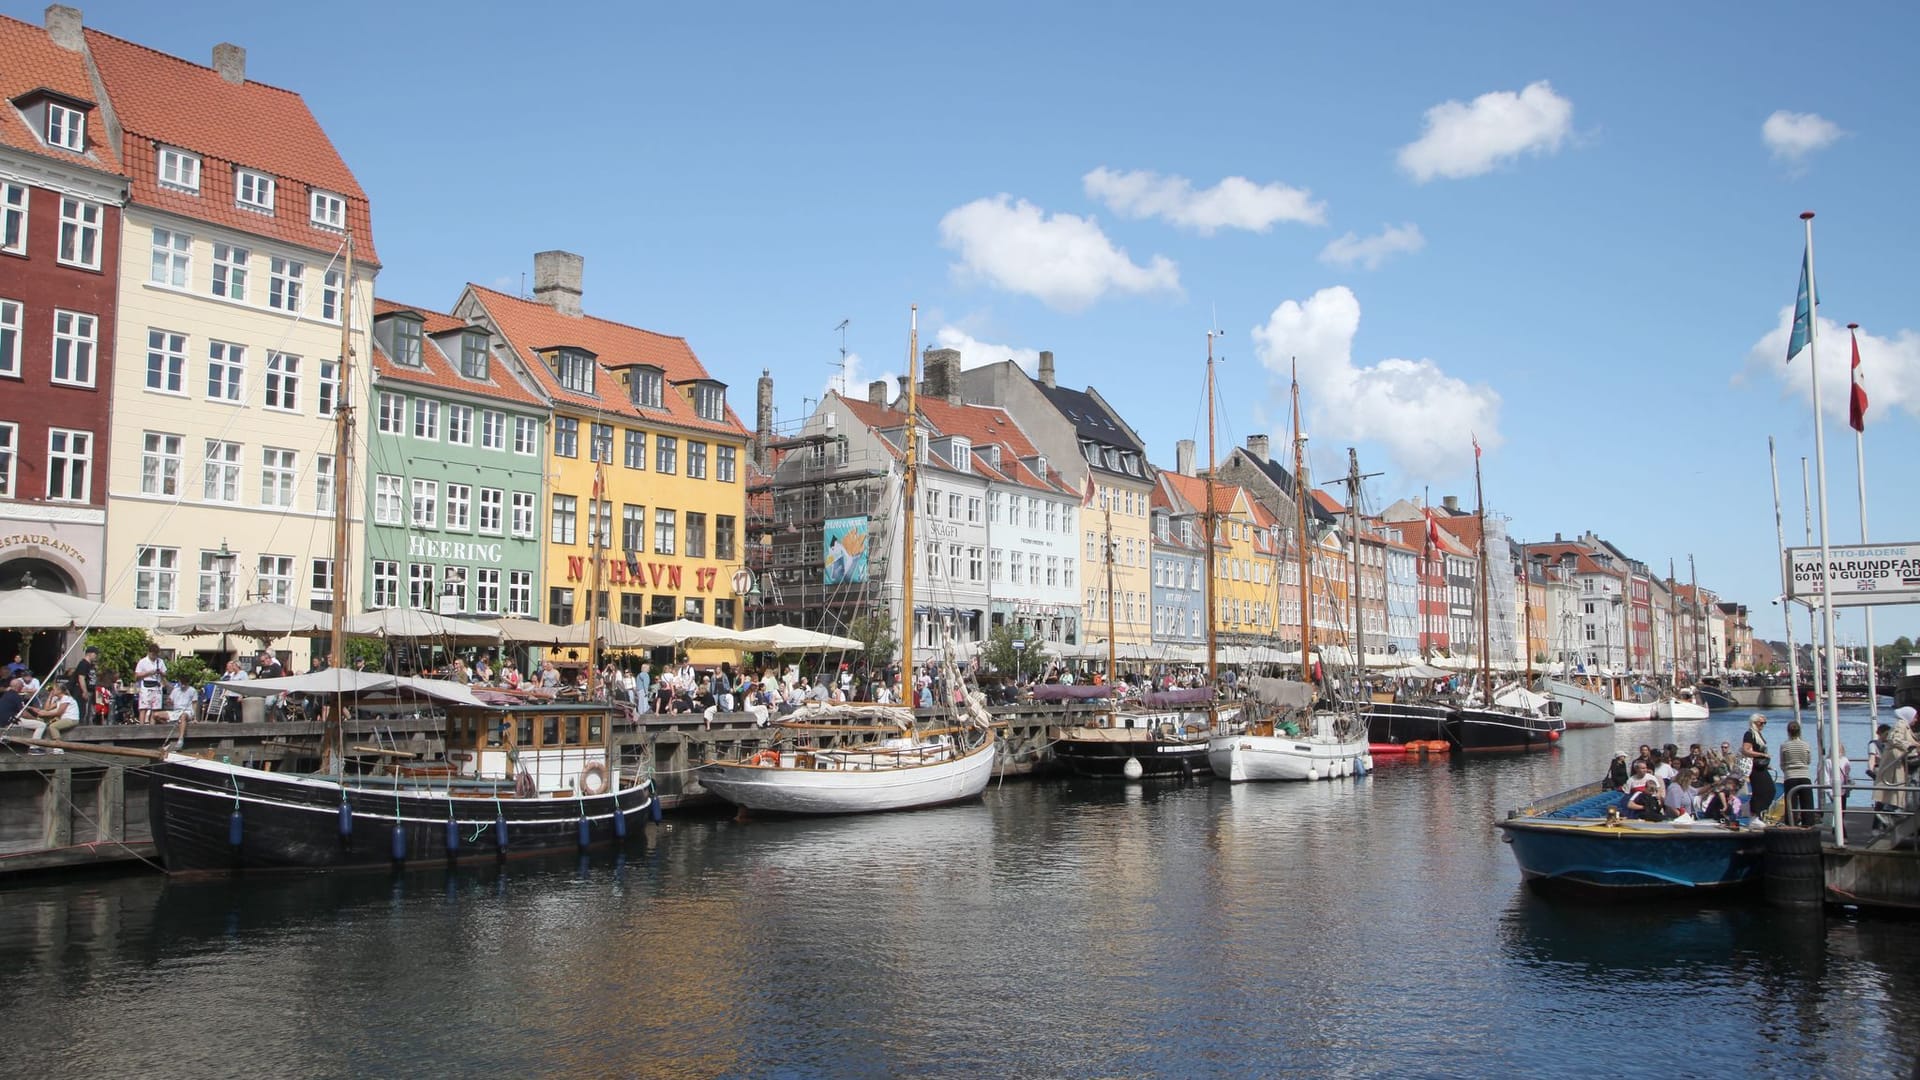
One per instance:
(1280, 693)
(1069, 692)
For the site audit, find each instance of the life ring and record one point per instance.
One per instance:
(593, 779)
(765, 757)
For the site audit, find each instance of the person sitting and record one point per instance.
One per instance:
(1716, 805)
(1617, 773)
(181, 699)
(1679, 794)
(1648, 804)
(60, 714)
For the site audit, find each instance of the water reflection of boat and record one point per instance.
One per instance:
(1577, 841)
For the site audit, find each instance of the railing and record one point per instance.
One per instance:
(1890, 826)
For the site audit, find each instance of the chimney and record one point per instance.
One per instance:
(230, 61)
(1452, 503)
(556, 280)
(63, 26)
(763, 418)
(943, 375)
(877, 393)
(1046, 368)
(1183, 457)
(902, 395)
(1257, 446)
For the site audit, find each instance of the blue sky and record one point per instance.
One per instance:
(1607, 233)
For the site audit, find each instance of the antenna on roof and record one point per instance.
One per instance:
(840, 379)
(523, 286)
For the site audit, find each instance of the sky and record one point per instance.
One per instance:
(1572, 233)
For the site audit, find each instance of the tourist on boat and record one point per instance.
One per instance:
(1753, 747)
(1647, 804)
(1680, 797)
(1618, 773)
(1639, 776)
(1717, 804)
(1796, 773)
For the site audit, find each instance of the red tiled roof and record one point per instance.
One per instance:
(439, 370)
(530, 327)
(29, 60)
(162, 99)
(980, 425)
(1328, 503)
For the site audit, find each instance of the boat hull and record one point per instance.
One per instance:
(1638, 858)
(292, 822)
(1495, 730)
(1167, 746)
(1249, 758)
(787, 788)
(1679, 710)
(1633, 710)
(1406, 722)
(1581, 708)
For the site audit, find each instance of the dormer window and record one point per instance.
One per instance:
(253, 190)
(960, 452)
(66, 128)
(574, 369)
(710, 401)
(406, 342)
(179, 169)
(327, 210)
(473, 354)
(992, 454)
(649, 387)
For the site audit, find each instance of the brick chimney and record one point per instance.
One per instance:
(230, 61)
(1452, 503)
(63, 26)
(556, 280)
(877, 393)
(1046, 368)
(763, 418)
(1183, 457)
(943, 375)
(1257, 446)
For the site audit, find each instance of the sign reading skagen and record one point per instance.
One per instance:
(419, 547)
(1862, 574)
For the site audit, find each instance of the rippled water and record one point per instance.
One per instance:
(1057, 929)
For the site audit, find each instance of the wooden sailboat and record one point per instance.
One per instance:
(856, 759)
(514, 780)
(1334, 742)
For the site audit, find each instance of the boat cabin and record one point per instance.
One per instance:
(551, 743)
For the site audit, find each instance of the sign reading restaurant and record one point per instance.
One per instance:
(1862, 574)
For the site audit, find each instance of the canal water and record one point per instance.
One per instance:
(1362, 927)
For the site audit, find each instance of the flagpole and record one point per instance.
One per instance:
(1786, 608)
(1857, 412)
(1826, 534)
(1813, 628)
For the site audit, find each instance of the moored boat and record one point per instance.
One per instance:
(1633, 710)
(1580, 706)
(1571, 842)
(1678, 707)
(1475, 729)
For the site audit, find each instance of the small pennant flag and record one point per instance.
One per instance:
(1433, 532)
(1802, 313)
(1476, 448)
(1086, 498)
(1857, 407)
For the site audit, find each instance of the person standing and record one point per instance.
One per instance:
(1894, 770)
(1753, 749)
(1796, 773)
(86, 680)
(150, 676)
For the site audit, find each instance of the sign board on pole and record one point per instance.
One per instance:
(1862, 574)
(1019, 644)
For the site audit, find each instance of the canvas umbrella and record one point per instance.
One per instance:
(28, 608)
(414, 623)
(613, 635)
(528, 632)
(260, 620)
(688, 634)
(782, 638)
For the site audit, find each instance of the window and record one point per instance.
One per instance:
(724, 532)
(13, 218)
(406, 343)
(565, 519)
(633, 609)
(696, 535)
(172, 258)
(329, 211)
(647, 388)
(493, 430)
(387, 500)
(229, 271)
(69, 463)
(179, 169)
(973, 510)
(460, 425)
(574, 369)
(492, 511)
(323, 482)
(329, 386)
(633, 528)
(391, 418)
(216, 583)
(425, 505)
(486, 592)
(273, 579)
(253, 190)
(696, 460)
(600, 523)
(560, 606)
(420, 585)
(66, 127)
(526, 435)
(10, 314)
(284, 278)
(723, 464)
(160, 464)
(520, 593)
(155, 570)
(953, 507)
(321, 596)
(330, 295)
(276, 477)
(665, 452)
(566, 437)
(600, 443)
(473, 354)
(710, 401)
(523, 514)
(222, 472)
(73, 345)
(636, 449)
(663, 532)
(386, 583)
(283, 382)
(80, 233)
(426, 419)
(166, 361)
(459, 506)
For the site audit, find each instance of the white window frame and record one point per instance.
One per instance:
(564, 520)
(221, 472)
(330, 295)
(156, 577)
(696, 460)
(385, 580)
(422, 586)
(172, 265)
(69, 465)
(493, 429)
(178, 169)
(258, 184)
(389, 500)
(76, 347)
(160, 463)
(9, 456)
(322, 482)
(273, 579)
(490, 519)
(327, 210)
(283, 382)
(13, 218)
(526, 435)
(424, 508)
(391, 418)
(226, 372)
(12, 315)
(426, 419)
(520, 593)
(278, 471)
(486, 591)
(328, 387)
(460, 425)
(286, 279)
(526, 515)
(216, 588)
(66, 128)
(459, 507)
(79, 233)
(230, 271)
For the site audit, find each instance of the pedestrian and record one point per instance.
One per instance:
(1753, 747)
(86, 680)
(1895, 770)
(150, 675)
(1796, 773)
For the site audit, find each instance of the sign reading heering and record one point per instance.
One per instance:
(1862, 574)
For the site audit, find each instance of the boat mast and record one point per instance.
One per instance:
(1700, 662)
(595, 545)
(909, 487)
(1106, 504)
(1486, 624)
(333, 738)
(1300, 520)
(1353, 587)
(1673, 620)
(1213, 666)
(1526, 613)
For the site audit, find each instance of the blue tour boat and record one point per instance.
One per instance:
(1569, 841)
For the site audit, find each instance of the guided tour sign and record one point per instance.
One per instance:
(1862, 574)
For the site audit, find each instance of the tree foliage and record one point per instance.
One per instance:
(1889, 657)
(998, 653)
(875, 628)
(190, 669)
(371, 650)
(120, 649)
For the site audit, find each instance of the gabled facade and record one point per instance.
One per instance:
(453, 477)
(1403, 593)
(1245, 548)
(1179, 567)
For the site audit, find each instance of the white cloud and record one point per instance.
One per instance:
(1233, 203)
(1793, 136)
(1063, 260)
(1425, 418)
(1372, 251)
(1464, 140)
(974, 353)
(1889, 368)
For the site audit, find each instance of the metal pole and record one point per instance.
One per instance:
(1860, 468)
(1826, 553)
(1786, 605)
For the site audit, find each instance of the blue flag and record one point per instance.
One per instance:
(1802, 314)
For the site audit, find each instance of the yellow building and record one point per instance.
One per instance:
(1245, 547)
(638, 409)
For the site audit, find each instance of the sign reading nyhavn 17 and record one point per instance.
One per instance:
(1862, 574)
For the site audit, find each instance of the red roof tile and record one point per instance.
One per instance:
(439, 370)
(981, 425)
(162, 99)
(29, 60)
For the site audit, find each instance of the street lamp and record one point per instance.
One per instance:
(223, 561)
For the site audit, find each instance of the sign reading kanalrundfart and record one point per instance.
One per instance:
(1862, 574)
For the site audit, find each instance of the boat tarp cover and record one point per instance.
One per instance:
(1185, 696)
(1280, 693)
(1069, 692)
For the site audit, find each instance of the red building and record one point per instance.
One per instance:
(61, 188)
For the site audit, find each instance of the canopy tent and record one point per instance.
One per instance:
(28, 608)
(414, 623)
(259, 620)
(782, 638)
(689, 634)
(613, 635)
(527, 631)
(349, 681)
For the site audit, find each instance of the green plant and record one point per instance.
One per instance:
(998, 653)
(875, 628)
(120, 649)
(371, 651)
(191, 670)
